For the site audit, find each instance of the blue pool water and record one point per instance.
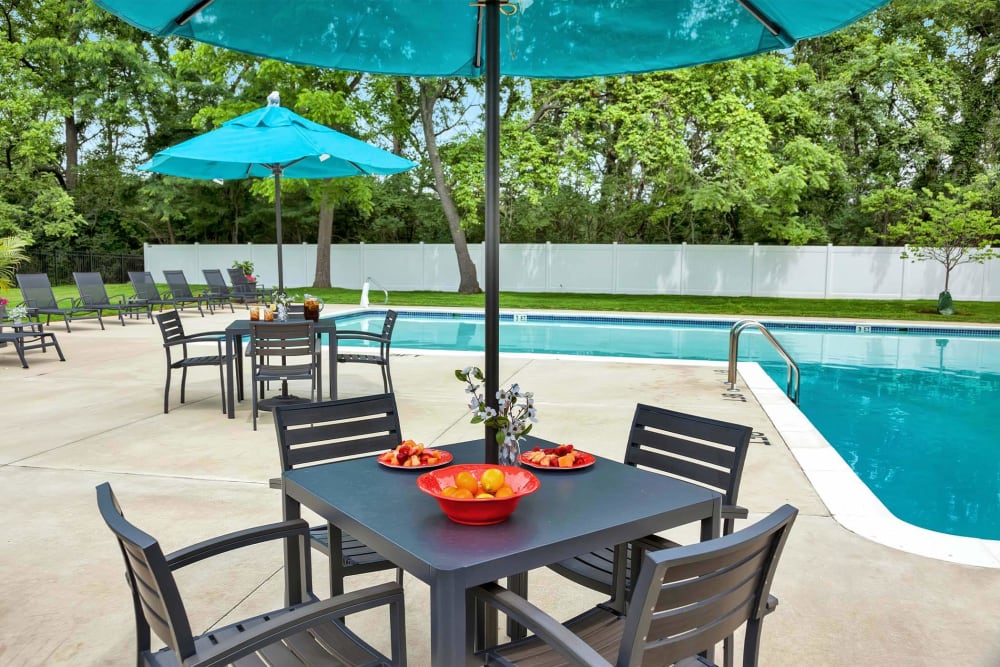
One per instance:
(909, 410)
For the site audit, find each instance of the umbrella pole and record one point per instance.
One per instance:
(277, 225)
(492, 316)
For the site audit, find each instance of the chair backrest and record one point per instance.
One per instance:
(690, 598)
(144, 285)
(216, 283)
(155, 597)
(696, 449)
(178, 284)
(312, 433)
(91, 288)
(240, 283)
(36, 290)
(171, 327)
(387, 326)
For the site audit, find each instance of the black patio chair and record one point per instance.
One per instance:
(306, 632)
(146, 290)
(245, 288)
(686, 600)
(174, 336)
(384, 341)
(181, 292)
(40, 300)
(93, 294)
(281, 351)
(316, 433)
(26, 336)
(218, 289)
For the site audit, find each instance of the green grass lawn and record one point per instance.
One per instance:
(919, 310)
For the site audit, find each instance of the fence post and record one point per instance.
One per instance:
(829, 271)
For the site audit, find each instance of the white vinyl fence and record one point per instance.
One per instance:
(833, 272)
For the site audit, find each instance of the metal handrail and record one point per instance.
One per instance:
(793, 378)
(377, 284)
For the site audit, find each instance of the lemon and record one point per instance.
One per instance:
(492, 479)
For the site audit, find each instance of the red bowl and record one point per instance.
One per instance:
(477, 511)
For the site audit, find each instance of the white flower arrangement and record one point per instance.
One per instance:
(515, 413)
(18, 312)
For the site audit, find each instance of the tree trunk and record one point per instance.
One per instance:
(468, 283)
(323, 239)
(72, 151)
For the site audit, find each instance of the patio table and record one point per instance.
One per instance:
(234, 353)
(572, 512)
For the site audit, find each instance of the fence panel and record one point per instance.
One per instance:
(60, 266)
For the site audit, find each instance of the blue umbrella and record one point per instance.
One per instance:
(555, 39)
(273, 141)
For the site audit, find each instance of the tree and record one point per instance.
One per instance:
(951, 227)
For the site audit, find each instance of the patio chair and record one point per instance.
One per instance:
(28, 336)
(686, 600)
(306, 632)
(281, 351)
(245, 288)
(218, 289)
(181, 293)
(384, 341)
(93, 294)
(146, 290)
(173, 336)
(695, 449)
(316, 433)
(40, 300)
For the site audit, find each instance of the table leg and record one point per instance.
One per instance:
(450, 644)
(230, 401)
(711, 528)
(518, 584)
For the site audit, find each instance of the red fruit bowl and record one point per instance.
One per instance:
(477, 511)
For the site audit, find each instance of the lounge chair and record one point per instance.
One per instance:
(40, 300)
(146, 290)
(28, 336)
(305, 632)
(384, 341)
(246, 288)
(686, 600)
(181, 292)
(93, 294)
(218, 289)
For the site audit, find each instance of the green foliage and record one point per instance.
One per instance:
(11, 254)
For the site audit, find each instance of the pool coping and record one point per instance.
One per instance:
(850, 502)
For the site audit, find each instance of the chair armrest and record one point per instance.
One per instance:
(734, 512)
(770, 605)
(350, 334)
(264, 634)
(241, 538)
(204, 337)
(71, 300)
(548, 629)
(276, 483)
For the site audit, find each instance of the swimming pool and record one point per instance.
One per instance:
(909, 409)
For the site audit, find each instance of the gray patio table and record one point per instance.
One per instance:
(235, 333)
(572, 512)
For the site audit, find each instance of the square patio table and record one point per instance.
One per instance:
(572, 512)
(234, 353)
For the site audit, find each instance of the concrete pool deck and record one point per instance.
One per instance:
(192, 474)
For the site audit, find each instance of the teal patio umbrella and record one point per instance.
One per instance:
(557, 39)
(274, 141)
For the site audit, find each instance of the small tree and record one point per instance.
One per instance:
(952, 227)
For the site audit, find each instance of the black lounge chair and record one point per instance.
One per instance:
(181, 292)
(304, 632)
(93, 294)
(28, 336)
(246, 288)
(146, 290)
(384, 341)
(686, 600)
(40, 300)
(173, 335)
(218, 289)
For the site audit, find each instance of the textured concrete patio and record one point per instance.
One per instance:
(193, 474)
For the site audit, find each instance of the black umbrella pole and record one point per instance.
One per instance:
(277, 227)
(492, 318)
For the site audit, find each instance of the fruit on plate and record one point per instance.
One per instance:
(411, 454)
(563, 456)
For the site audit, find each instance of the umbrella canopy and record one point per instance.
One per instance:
(274, 141)
(532, 38)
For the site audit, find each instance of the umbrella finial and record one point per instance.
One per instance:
(274, 99)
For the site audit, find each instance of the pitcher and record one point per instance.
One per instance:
(311, 305)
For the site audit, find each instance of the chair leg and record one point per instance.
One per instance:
(56, 344)
(386, 378)
(253, 395)
(336, 539)
(184, 377)
(166, 393)
(100, 320)
(222, 386)
(19, 348)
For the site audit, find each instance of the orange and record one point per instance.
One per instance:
(466, 480)
(484, 495)
(504, 492)
(492, 479)
(449, 491)
(462, 493)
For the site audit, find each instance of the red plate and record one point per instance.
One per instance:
(584, 460)
(446, 458)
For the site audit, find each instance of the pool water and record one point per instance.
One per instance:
(911, 411)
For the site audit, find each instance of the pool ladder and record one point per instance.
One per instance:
(793, 377)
